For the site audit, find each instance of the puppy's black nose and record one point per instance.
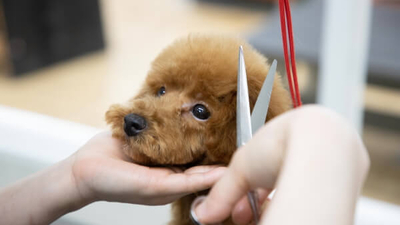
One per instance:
(134, 124)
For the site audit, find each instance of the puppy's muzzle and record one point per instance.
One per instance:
(134, 124)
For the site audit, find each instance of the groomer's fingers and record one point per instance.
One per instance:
(200, 169)
(242, 214)
(261, 157)
(222, 198)
(193, 180)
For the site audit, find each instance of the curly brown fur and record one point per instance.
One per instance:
(194, 70)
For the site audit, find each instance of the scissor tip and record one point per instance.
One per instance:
(240, 54)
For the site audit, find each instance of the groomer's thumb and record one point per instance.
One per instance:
(224, 195)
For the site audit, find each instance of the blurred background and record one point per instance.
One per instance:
(72, 59)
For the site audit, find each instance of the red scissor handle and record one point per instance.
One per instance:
(286, 27)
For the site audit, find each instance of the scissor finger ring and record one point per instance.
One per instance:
(193, 215)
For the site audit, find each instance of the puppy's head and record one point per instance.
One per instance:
(185, 113)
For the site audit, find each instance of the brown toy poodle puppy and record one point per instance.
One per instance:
(185, 113)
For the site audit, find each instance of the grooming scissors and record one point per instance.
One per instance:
(246, 125)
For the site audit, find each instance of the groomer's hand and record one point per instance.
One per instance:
(98, 171)
(102, 172)
(316, 161)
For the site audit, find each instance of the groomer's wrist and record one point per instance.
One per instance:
(52, 193)
(79, 195)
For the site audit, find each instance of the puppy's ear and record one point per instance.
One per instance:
(280, 100)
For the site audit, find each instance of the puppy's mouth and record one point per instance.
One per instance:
(139, 157)
(195, 162)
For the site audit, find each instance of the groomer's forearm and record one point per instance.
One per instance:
(40, 198)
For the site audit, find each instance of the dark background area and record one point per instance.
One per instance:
(43, 32)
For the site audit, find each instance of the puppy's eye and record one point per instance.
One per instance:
(161, 91)
(200, 112)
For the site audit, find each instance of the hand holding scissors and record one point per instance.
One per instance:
(315, 160)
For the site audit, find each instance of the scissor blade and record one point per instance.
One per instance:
(260, 109)
(243, 122)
